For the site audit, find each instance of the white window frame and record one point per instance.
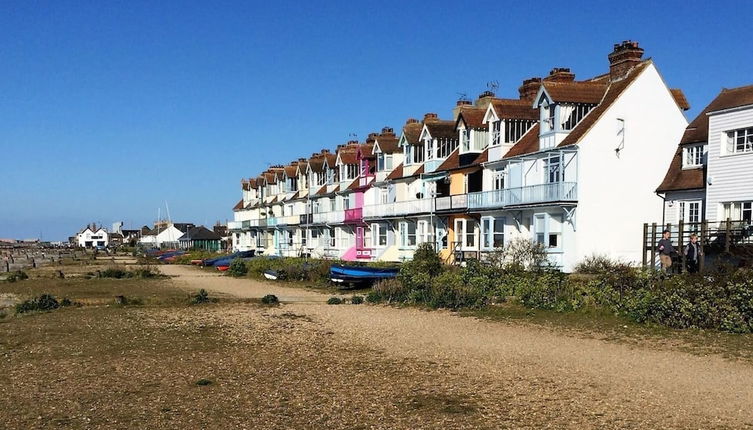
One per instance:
(737, 211)
(469, 237)
(739, 141)
(693, 156)
(405, 235)
(490, 233)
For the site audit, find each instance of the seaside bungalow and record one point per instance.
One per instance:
(200, 238)
(165, 234)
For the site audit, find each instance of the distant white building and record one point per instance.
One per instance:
(165, 236)
(92, 236)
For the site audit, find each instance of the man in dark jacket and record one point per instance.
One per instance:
(666, 249)
(693, 252)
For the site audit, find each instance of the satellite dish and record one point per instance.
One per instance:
(710, 180)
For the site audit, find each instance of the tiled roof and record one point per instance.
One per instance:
(388, 144)
(526, 144)
(291, 171)
(575, 91)
(514, 109)
(613, 92)
(441, 129)
(200, 233)
(678, 179)
(331, 159)
(472, 117)
(680, 99)
(731, 98)
(698, 129)
(316, 164)
(483, 157)
(238, 206)
(412, 132)
(348, 157)
(396, 173)
(451, 162)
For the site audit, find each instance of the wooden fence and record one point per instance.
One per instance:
(716, 238)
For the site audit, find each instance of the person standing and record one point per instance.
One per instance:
(693, 252)
(666, 249)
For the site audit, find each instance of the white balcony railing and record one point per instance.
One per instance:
(330, 217)
(397, 208)
(234, 225)
(542, 193)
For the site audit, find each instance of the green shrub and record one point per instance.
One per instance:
(334, 301)
(270, 299)
(388, 290)
(114, 272)
(202, 297)
(18, 275)
(45, 302)
(203, 382)
(373, 297)
(356, 300)
(237, 268)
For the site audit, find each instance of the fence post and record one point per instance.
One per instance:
(653, 244)
(644, 251)
(702, 257)
(727, 234)
(680, 243)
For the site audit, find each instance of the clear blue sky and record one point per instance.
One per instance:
(109, 109)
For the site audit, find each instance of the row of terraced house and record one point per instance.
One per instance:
(570, 163)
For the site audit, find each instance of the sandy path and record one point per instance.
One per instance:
(652, 388)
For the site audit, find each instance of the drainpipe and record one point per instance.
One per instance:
(663, 208)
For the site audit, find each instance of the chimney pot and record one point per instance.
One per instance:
(623, 58)
(430, 115)
(386, 130)
(560, 74)
(462, 102)
(529, 88)
(411, 121)
(486, 93)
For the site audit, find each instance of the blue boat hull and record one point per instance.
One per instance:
(353, 274)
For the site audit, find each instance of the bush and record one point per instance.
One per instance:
(18, 275)
(388, 290)
(334, 301)
(202, 297)
(270, 299)
(525, 254)
(120, 273)
(135, 301)
(237, 268)
(45, 302)
(356, 300)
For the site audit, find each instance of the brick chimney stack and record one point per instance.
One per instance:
(411, 121)
(560, 74)
(388, 130)
(624, 57)
(430, 116)
(462, 102)
(529, 89)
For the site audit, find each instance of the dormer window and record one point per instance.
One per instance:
(384, 162)
(693, 156)
(547, 116)
(465, 139)
(496, 132)
(516, 128)
(571, 114)
(348, 172)
(414, 154)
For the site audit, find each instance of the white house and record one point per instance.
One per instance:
(92, 236)
(583, 178)
(709, 177)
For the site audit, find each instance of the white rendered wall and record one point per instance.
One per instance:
(616, 194)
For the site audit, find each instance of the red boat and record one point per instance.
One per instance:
(222, 268)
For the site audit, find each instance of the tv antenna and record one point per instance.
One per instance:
(492, 86)
(352, 136)
(462, 96)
